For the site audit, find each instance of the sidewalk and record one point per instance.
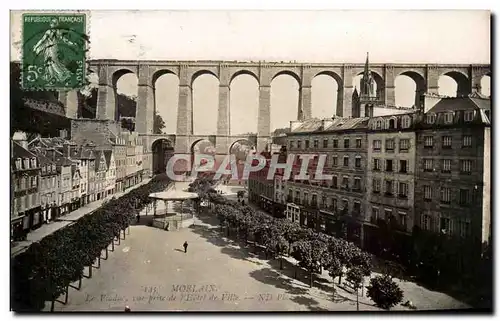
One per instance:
(65, 220)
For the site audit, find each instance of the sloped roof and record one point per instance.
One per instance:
(347, 123)
(309, 125)
(20, 152)
(460, 103)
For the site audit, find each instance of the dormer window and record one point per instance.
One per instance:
(18, 163)
(448, 118)
(379, 124)
(405, 122)
(469, 115)
(26, 163)
(430, 119)
(33, 162)
(53, 167)
(391, 124)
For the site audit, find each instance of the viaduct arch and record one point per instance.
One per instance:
(426, 76)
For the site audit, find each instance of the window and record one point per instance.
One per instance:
(428, 141)
(375, 213)
(33, 181)
(402, 219)
(325, 143)
(464, 228)
(379, 124)
(316, 143)
(335, 161)
(388, 165)
(334, 182)
(445, 195)
(346, 161)
(388, 214)
(446, 141)
(334, 203)
(388, 187)
(345, 182)
(44, 169)
(33, 163)
(376, 185)
(404, 144)
(403, 190)
(445, 225)
(356, 208)
(428, 166)
(376, 164)
(323, 201)
(357, 162)
(430, 119)
(465, 166)
(307, 143)
(26, 163)
(468, 115)
(346, 142)
(377, 145)
(467, 141)
(345, 205)
(335, 143)
(464, 197)
(389, 145)
(427, 192)
(357, 183)
(358, 142)
(446, 166)
(403, 166)
(448, 118)
(406, 122)
(425, 223)
(23, 183)
(314, 199)
(299, 145)
(18, 163)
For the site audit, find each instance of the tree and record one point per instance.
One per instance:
(384, 292)
(355, 276)
(308, 253)
(158, 124)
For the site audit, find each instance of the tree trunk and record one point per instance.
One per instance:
(295, 272)
(99, 262)
(124, 234)
(90, 271)
(106, 253)
(80, 283)
(119, 239)
(281, 263)
(66, 296)
(113, 245)
(310, 279)
(52, 305)
(128, 230)
(357, 300)
(340, 279)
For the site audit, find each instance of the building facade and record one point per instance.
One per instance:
(25, 169)
(453, 185)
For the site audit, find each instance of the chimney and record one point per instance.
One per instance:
(67, 149)
(63, 133)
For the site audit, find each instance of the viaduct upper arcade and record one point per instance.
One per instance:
(426, 76)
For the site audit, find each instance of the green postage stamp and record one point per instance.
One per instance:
(54, 51)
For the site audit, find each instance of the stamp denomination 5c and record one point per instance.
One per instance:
(54, 51)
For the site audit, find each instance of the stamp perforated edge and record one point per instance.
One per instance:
(88, 17)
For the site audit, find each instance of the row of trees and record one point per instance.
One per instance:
(46, 269)
(314, 251)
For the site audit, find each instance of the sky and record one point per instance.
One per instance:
(305, 36)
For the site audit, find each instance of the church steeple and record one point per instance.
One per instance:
(367, 63)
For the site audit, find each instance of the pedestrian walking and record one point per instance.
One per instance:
(185, 247)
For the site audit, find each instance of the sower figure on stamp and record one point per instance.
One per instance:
(185, 247)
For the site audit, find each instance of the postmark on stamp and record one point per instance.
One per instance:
(54, 51)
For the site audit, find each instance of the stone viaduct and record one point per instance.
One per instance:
(426, 76)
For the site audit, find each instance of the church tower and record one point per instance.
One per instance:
(368, 93)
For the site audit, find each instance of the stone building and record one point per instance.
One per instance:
(49, 192)
(25, 173)
(100, 175)
(342, 142)
(453, 169)
(110, 177)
